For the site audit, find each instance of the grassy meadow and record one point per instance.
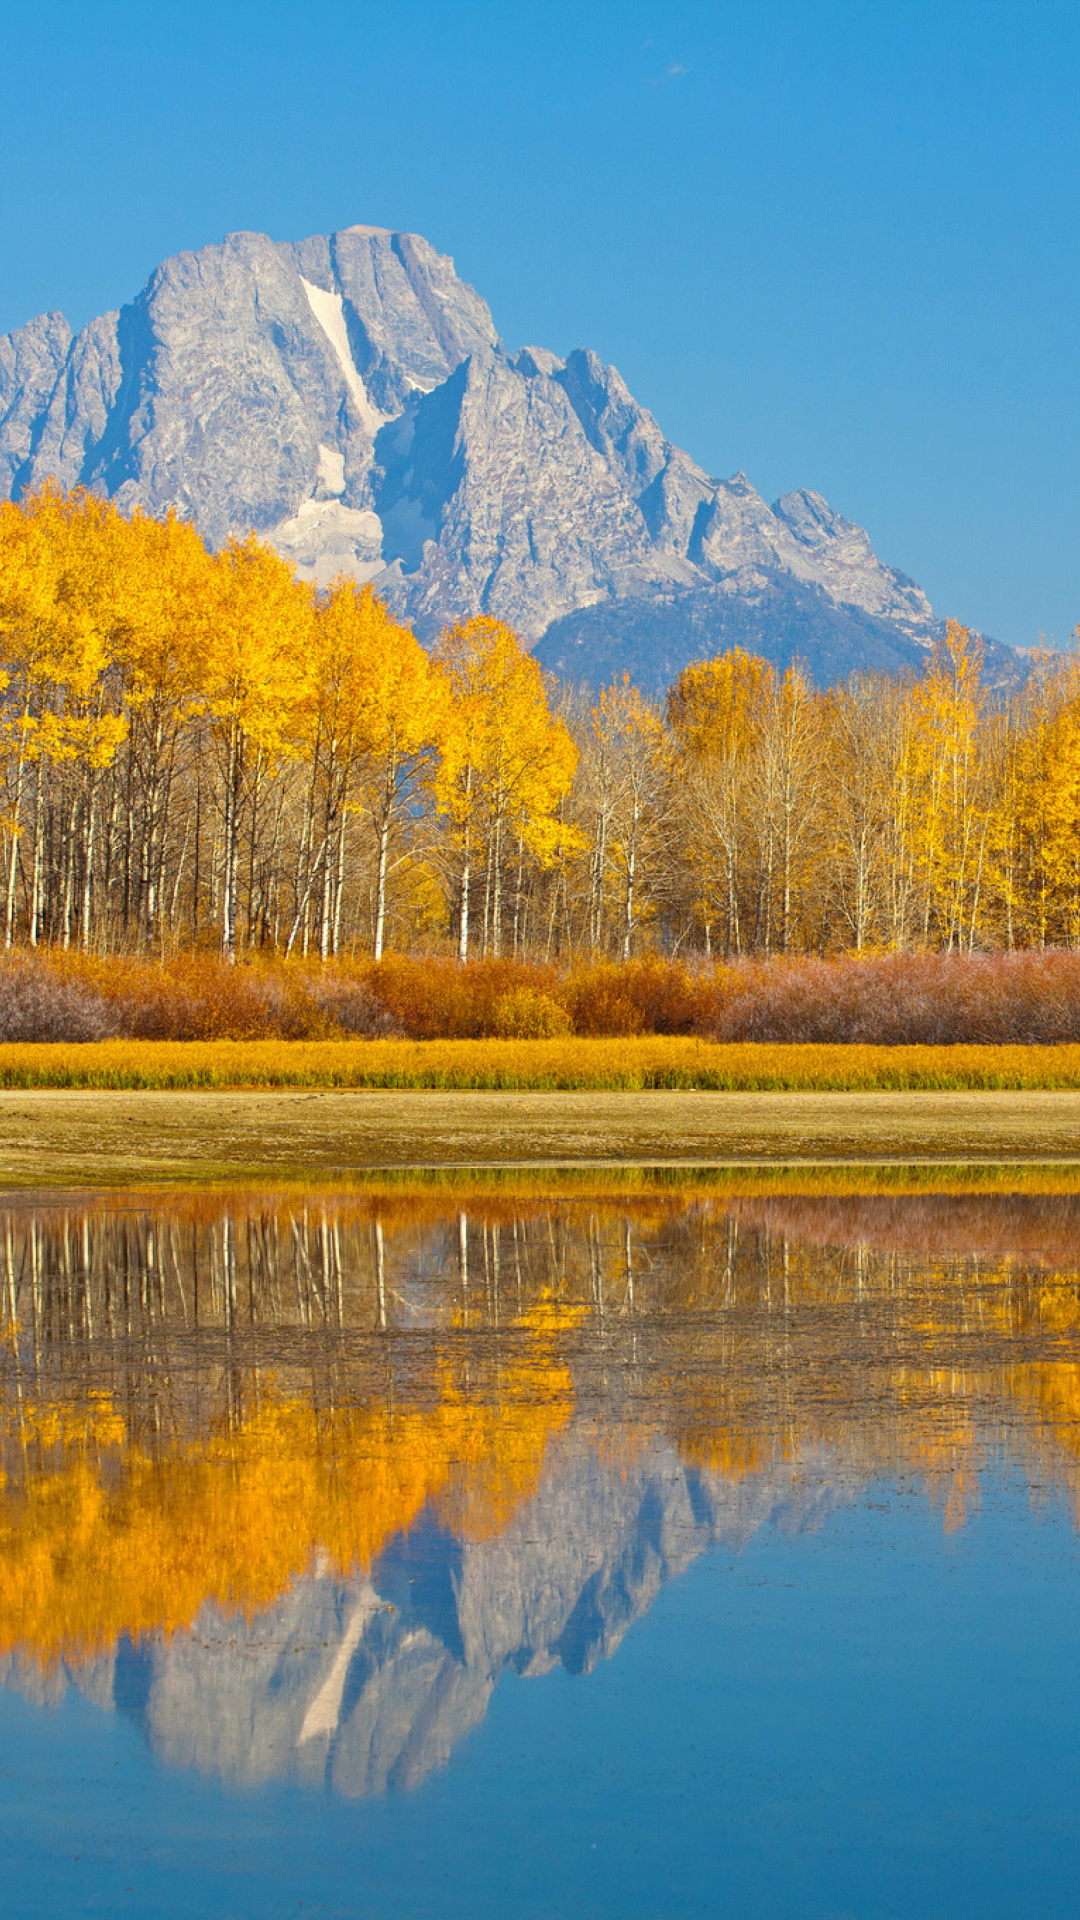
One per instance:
(635, 1064)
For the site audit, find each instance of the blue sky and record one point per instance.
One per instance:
(832, 244)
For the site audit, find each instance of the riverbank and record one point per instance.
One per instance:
(51, 1137)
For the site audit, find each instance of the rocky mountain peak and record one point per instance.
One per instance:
(348, 397)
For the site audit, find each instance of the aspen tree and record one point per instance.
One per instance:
(941, 765)
(631, 733)
(790, 787)
(505, 761)
(1047, 804)
(378, 710)
(180, 733)
(253, 675)
(27, 596)
(861, 743)
(169, 590)
(80, 724)
(715, 710)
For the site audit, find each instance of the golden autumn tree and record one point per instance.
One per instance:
(630, 732)
(941, 768)
(183, 733)
(1044, 805)
(866, 842)
(790, 788)
(253, 672)
(28, 586)
(162, 635)
(716, 710)
(506, 762)
(376, 712)
(72, 720)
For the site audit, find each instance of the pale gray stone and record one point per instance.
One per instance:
(348, 398)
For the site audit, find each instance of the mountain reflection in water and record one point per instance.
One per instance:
(292, 1480)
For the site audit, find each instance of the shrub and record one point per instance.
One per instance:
(436, 999)
(348, 1005)
(636, 996)
(913, 999)
(526, 1014)
(38, 1003)
(923, 999)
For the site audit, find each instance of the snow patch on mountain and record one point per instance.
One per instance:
(330, 314)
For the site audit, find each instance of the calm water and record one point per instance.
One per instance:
(471, 1549)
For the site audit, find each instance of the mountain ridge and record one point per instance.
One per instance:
(347, 397)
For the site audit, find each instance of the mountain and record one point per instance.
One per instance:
(349, 398)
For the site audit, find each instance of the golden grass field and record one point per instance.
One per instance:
(130, 1112)
(650, 1063)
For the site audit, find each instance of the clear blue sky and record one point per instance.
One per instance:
(833, 242)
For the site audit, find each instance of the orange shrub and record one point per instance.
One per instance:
(908, 999)
(437, 999)
(526, 1014)
(637, 996)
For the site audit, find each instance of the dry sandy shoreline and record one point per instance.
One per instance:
(70, 1138)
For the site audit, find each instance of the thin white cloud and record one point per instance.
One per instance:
(673, 72)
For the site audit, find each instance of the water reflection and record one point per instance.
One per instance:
(291, 1481)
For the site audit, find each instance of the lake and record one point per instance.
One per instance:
(623, 1544)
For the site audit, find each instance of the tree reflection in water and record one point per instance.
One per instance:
(293, 1478)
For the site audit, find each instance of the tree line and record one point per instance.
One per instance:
(200, 750)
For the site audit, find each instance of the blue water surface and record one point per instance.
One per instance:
(869, 1719)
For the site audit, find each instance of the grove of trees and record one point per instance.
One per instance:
(198, 750)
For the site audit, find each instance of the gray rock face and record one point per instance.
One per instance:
(348, 398)
(31, 364)
(245, 383)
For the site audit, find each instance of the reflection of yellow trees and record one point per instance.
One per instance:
(926, 1274)
(730, 1452)
(881, 1336)
(98, 1538)
(1051, 1389)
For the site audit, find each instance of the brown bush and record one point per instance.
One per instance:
(38, 1003)
(436, 999)
(347, 1004)
(890, 1000)
(914, 999)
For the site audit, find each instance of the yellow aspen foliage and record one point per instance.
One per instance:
(940, 769)
(199, 747)
(506, 762)
(715, 706)
(1048, 810)
(253, 670)
(375, 715)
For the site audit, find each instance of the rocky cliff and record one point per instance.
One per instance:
(348, 397)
